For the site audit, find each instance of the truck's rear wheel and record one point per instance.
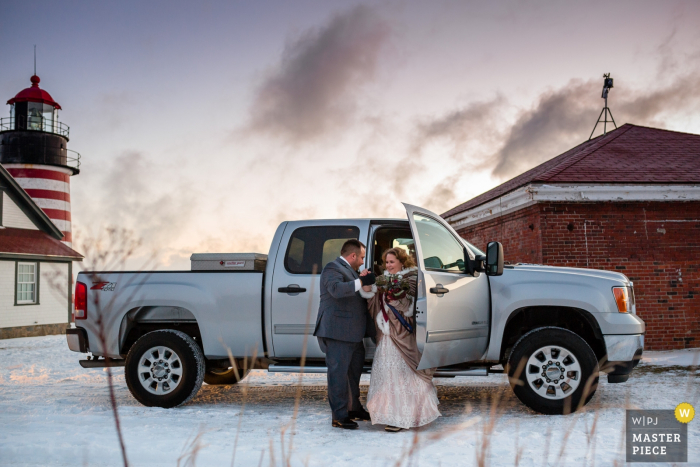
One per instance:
(224, 376)
(553, 371)
(164, 368)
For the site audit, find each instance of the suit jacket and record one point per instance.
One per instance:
(342, 313)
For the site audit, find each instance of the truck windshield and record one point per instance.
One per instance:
(474, 249)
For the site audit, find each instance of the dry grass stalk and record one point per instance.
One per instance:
(422, 439)
(272, 453)
(548, 438)
(297, 397)
(518, 448)
(282, 431)
(109, 250)
(590, 434)
(244, 390)
(408, 453)
(106, 251)
(495, 413)
(627, 406)
(191, 449)
(431, 438)
(590, 386)
(565, 439)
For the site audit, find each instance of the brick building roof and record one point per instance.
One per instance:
(34, 242)
(629, 154)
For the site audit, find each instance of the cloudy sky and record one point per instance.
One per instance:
(203, 125)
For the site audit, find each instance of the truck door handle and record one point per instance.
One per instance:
(439, 290)
(291, 289)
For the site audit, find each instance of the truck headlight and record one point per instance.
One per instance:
(622, 299)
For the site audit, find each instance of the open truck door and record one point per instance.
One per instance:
(452, 304)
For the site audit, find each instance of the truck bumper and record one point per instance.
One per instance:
(624, 352)
(77, 340)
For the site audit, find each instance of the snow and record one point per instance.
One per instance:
(687, 357)
(53, 412)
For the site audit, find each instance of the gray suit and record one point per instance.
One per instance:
(342, 322)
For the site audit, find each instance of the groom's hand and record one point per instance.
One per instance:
(368, 279)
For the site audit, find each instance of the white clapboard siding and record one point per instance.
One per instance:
(53, 296)
(12, 215)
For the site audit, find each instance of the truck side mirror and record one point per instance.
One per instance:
(494, 259)
(474, 266)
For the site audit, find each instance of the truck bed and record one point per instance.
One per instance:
(225, 306)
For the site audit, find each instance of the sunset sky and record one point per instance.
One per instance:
(203, 125)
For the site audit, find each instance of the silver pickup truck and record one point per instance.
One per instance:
(551, 329)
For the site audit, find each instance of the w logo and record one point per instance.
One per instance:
(684, 412)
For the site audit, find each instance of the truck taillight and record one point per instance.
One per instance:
(80, 300)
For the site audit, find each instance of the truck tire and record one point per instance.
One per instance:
(553, 371)
(164, 368)
(216, 376)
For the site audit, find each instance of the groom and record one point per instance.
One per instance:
(342, 322)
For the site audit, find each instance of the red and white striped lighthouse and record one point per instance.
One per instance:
(35, 151)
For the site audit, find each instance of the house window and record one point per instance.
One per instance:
(27, 283)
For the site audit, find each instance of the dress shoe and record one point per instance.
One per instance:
(392, 429)
(345, 423)
(361, 415)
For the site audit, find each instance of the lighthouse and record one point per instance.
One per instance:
(34, 150)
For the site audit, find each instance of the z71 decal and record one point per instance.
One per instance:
(104, 286)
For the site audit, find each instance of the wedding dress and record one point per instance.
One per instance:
(399, 395)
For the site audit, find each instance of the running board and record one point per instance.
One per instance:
(367, 369)
(468, 372)
(101, 363)
(306, 369)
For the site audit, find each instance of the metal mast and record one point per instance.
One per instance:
(607, 86)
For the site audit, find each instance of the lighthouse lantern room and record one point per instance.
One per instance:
(34, 150)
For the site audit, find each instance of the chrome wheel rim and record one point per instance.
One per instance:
(160, 370)
(553, 372)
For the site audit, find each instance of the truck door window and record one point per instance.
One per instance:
(441, 251)
(309, 246)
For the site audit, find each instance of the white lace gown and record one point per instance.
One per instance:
(397, 396)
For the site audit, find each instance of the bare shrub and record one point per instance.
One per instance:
(107, 250)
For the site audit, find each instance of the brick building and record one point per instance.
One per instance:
(628, 201)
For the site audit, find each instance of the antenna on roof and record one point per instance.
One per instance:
(34, 59)
(607, 86)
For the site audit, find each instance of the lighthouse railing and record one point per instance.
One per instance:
(34, 123)
(74, 160)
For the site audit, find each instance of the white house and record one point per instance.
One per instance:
(36, 290)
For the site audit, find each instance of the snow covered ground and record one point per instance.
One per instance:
(53, 412)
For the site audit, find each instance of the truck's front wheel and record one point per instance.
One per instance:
(553, 370)
(164, 368)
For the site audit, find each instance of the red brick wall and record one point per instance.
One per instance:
(656, 244)
(517, 231)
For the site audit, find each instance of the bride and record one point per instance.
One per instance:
(400, 396)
